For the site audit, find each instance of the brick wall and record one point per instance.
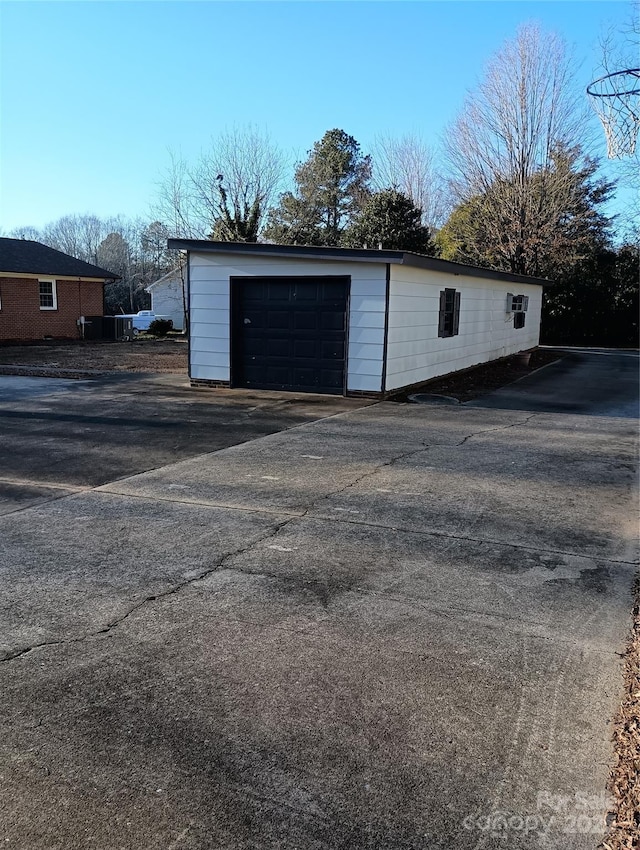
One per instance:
(22, 319)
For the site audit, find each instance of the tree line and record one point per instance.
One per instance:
(516, 189)
(134, 249)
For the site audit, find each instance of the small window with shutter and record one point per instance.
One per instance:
(449, 317)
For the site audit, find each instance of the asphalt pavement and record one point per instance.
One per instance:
(597, 382)
(391, 626)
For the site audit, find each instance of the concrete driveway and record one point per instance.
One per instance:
(394, 627)
(59, 436)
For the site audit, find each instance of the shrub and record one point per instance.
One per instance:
(160, 327)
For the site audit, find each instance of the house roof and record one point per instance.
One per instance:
(24, 256)
(357, 255)
(170, 275)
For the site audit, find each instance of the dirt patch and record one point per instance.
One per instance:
(479, 380)
(78, 359)
(624, 783)
(82, 359)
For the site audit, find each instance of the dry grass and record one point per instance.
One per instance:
(624, 784)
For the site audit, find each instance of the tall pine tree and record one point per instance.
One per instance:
(331, 188)
(390, 219)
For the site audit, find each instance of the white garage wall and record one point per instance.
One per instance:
(211, 320)
(415, 352)
(166, 299)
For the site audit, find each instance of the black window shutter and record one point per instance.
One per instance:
(443, 308)
(456, 314)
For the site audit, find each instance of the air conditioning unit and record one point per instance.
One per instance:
(517, 303)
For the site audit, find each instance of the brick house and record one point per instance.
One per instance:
(43, 292)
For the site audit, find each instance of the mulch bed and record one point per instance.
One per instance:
(479, 380)
(624, 783)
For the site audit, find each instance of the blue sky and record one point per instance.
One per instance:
(94, 93)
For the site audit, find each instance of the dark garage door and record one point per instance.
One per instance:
(289, 333)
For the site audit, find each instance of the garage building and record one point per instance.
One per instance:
(346, 321)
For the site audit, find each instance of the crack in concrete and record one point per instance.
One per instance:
(170, 591)
(273, 532)
(489, 541)
(500, 428)
(423, 448)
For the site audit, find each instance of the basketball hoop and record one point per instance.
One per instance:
(616, 100)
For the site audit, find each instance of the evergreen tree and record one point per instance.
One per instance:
(594, 296)
(242, 224)
(595, 302)
(331, 187)
(391, 220)
(543, 229)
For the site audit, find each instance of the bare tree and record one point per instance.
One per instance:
(154, 254)
(227, 192)
(176, 208)
(77, 235)
(135, 249)
(619, 49)
(502, 146)
(175, 204)
(26, 232)
(64, 235)
(407, 164)
(236, 181)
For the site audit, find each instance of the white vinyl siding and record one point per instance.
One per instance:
(167, 301)
(210, 311)
(416, 353)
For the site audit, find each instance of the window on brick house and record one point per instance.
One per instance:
(449, 316)
(48, 295)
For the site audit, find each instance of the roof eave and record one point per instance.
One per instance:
(358, 255)
(315, 252)
(59, 275)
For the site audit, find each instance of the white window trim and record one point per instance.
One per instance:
(54, 291)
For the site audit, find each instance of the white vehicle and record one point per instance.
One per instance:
(142, 319)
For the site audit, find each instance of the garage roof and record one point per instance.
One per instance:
(24, 256)
(354, 255)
